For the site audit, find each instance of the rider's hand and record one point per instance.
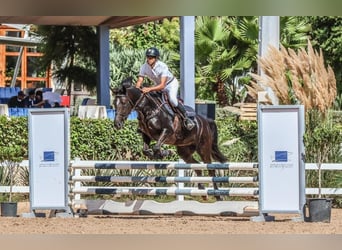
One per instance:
(146, 90)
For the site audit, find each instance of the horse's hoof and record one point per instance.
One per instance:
(148, 153)
(158, 156)
(219, 198)
(205, 198)
(165, 153)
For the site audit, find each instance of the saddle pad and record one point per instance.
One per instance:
(190, 111)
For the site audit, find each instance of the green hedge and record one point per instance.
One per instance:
(90, 139)
(97, 139)
(13, 131)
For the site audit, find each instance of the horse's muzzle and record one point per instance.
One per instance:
(118, 124)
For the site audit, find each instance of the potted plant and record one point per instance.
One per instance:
(322, 142)
(10, 158)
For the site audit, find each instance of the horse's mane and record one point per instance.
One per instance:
(127, 83)
(152, 99)
(136, 92)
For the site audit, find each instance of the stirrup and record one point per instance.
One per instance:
(189, 124)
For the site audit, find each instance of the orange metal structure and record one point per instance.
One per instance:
(28, 76)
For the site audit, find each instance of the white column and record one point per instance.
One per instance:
(187, 60)
(268, 35)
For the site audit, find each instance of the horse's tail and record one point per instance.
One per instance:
(215, 151)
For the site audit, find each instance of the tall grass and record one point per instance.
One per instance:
(296, 78)
(301, 77)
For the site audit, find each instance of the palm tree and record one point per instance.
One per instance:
(73, 52)
(225, 49)
(294, 32)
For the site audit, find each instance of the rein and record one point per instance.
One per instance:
(140, 99)
(131, 102)
(155, 102)
(151, 99)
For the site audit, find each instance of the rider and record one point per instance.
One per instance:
(158, 72)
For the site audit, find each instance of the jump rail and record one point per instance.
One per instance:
(179, 206)
(78, 189)
(126, 165)
(147, 185)
(165, 179)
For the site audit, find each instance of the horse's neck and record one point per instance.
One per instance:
(135, 95)
(141, 101)
(154, 99)
(162, 106)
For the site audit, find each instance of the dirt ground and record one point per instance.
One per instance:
(151, 225)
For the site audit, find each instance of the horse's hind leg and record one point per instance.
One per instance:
(186, 153)
(205, 155)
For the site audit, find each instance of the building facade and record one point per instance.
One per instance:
(26, 74)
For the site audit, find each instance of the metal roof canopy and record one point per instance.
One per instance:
(104, 23)
(109, 21)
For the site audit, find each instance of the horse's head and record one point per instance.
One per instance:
(123, 103)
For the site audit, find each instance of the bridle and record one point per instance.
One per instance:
(136, 104)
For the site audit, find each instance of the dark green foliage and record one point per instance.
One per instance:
(238, 139)
(162, 33)
(322, 138)
(73, 52)
(326, 35)
(125, 62)
(14, 132)
(93, 139)
(322, 142)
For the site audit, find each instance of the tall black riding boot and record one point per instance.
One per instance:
(188, 123)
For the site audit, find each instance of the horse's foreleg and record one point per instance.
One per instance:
(158, 153)
(146, 146)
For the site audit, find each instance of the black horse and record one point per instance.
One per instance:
(158, 122)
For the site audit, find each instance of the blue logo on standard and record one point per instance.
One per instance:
(49, 156)
(281, 156)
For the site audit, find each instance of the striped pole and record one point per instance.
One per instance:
(166, 191)
(162, 165)
(165, 179)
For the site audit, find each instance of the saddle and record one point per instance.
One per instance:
(163, 101)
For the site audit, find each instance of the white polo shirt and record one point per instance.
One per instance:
(158, 71)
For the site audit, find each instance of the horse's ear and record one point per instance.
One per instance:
(116, 91)
(127, 83)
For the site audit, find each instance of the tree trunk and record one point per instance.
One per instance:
(221, 94)
(319, 180)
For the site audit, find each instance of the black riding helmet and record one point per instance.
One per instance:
(152, 52)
